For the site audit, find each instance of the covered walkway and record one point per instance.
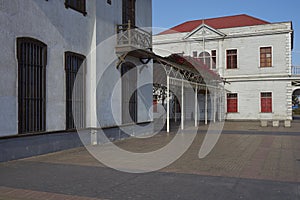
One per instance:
(188, 90)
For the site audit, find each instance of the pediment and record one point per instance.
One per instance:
(204, 30)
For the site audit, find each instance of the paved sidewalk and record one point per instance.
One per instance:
(245, 164)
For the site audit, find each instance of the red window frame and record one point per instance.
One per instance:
(266, 102)
(232, 102)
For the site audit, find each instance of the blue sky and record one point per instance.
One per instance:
(168, 13)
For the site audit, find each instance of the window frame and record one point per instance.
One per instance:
(207, 58)
(260, 59)
(213, 63)
(195, 54)
(265, 109)
(226, 57)
(68, 5)
(32, 80)
(71, 125)
(129, 12)
(236, 110)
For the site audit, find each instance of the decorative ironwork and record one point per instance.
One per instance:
(130, 38)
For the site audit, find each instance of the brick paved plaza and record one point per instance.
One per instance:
(253, 164)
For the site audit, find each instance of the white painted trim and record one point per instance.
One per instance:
(238, 102)
(211, 61)
(196, 106)
(182, 107)
(201, 27)
(168, 104)
(272, 93)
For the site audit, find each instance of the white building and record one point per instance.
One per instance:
(45, 43)
(252, 55)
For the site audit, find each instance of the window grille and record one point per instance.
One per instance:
(75, 90)
(32, 60)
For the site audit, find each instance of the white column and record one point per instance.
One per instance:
(175, 108)
(91, 83)
(196, 106)
(206, 106)
(215, 105)
(168, 104)
(220, 106)
(182, 105)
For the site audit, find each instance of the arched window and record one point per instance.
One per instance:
(32, 61)
(75, 90)
(205, 58)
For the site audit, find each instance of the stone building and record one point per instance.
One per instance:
(252, 55)
(50, 46)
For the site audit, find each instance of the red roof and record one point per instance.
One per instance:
(195, 64)
(218, 23)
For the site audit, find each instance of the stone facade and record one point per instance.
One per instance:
(62, 30)
(248, 80)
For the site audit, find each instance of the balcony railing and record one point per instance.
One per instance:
(296, 70)
(131, 38)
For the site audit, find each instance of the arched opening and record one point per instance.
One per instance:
(205, 58)
(296, 104)
(32, 61)
(129, 93)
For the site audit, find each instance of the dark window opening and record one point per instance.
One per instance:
(32, 61)
(129, 12)
(78, 5)
(231, 59)
(75, 90)
(195, 54)
(213, 59)
(129, 93)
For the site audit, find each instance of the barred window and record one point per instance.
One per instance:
(231, 59)
(78, 5)
(266, 57)
(32, 60)
(129, 93)
(75, 90)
